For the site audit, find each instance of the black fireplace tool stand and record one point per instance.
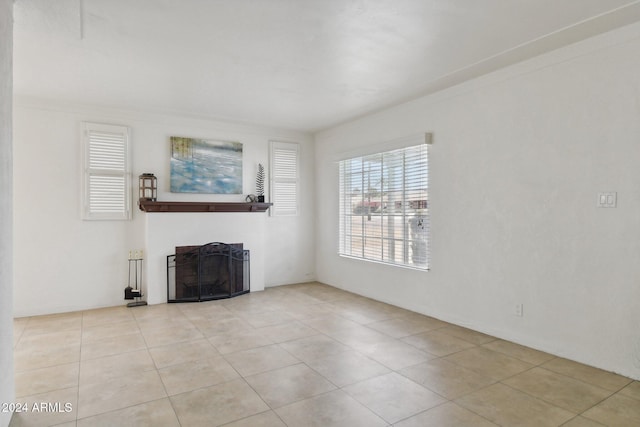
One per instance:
(135, 266)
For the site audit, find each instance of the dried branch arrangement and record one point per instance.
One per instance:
(260, 180)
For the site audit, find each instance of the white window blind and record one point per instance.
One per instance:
(284, 172)
(107, 179)
(384, 211)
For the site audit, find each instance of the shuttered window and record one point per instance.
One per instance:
(107, 181)
(284, 172)
(384, 207)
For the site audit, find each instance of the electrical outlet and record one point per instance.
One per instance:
(519, 310)
(608, 199)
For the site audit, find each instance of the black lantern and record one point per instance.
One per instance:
(148, 185)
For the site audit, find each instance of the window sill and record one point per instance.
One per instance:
(390, 264)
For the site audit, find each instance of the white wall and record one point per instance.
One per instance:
(7, 393)
(63, 263)
(517, 161)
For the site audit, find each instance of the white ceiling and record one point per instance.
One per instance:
(299, 64)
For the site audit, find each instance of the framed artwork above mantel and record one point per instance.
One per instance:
(205, 166)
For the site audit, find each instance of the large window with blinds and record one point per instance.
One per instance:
(384, 207)
(284, 178)
(107, 181)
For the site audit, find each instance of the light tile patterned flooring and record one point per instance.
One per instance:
(300, 355)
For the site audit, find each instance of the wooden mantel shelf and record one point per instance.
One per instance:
(147, 206)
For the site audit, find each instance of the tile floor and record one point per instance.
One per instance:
(300, 355)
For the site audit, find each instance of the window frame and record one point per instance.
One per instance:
(124, 132)
(409, 217)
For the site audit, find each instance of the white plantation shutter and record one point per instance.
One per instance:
(107, 186)
(284, 172)
(384, 211)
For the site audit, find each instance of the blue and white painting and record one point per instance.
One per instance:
(205, 166)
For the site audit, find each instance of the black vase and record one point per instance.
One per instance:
(260, 199)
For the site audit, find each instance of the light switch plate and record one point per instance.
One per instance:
(607, 199)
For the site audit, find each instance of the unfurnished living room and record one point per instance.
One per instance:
(319, 213)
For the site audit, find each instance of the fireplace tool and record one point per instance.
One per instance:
(135, 261)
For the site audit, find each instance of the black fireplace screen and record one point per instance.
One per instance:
(212, 271)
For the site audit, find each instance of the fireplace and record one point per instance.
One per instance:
(212, 271)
